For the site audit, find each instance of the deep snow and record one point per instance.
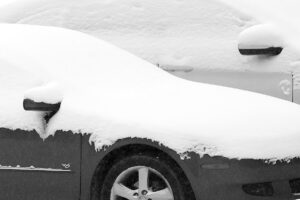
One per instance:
(173, 33)
(112, 94)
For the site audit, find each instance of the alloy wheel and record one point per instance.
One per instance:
(141, 183)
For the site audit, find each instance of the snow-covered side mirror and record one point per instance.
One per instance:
(47, 97)
(261, 39)
(29, 104)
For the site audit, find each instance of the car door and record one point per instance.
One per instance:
(35, 169)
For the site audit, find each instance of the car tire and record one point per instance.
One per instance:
(159, 179)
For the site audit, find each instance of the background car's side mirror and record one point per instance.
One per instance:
(261, 39)
(29, 104)
(272, 51)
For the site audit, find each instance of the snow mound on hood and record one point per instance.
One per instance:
(112, 94)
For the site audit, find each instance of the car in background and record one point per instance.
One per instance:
(202, 46)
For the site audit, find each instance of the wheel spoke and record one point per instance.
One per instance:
(164, 194)
(143, 179)
(123, 191)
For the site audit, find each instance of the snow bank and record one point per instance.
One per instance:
(112, 94)
(180, 33)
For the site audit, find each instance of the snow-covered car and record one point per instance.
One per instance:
(99, 123)
(196, 40)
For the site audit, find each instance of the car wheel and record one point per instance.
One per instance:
(142, 177)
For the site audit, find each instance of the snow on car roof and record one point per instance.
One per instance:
(111, 94)
(186, 35)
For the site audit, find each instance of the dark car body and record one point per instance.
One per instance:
(67, 167)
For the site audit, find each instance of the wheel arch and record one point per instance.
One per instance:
(129, 146)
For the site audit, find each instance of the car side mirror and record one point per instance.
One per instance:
(47, 97)
(261, 39)
(29, 104)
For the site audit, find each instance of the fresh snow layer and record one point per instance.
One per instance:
(260, 36)
(196, 34)
(111, 94)
(282, 14)
(49, 93)
(5, 2)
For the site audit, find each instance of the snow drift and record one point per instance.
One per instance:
(111, 94)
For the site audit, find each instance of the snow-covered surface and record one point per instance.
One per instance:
(112, 94)
(5, 2)
(282, 14)
(49, 93)
(260, 36)
(182, 34)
